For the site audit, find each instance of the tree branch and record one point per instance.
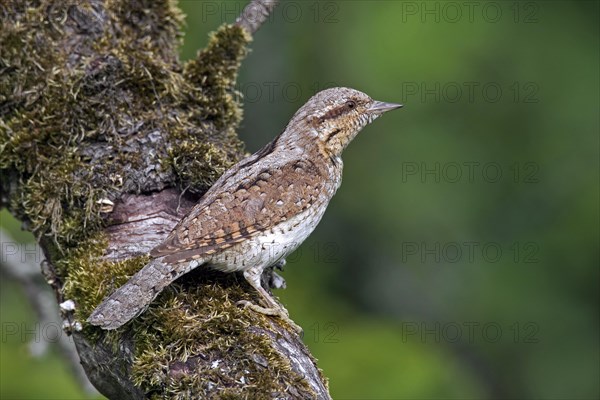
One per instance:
(100, 126)
(255, 14)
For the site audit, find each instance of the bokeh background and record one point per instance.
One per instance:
(460, 258)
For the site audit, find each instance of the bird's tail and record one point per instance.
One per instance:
(135, 296)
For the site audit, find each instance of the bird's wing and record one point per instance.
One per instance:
(227, 217)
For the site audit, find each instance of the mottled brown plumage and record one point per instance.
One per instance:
(260, 210)
(219, 222)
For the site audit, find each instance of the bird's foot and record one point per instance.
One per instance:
(280, 312)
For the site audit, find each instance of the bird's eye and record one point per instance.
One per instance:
(350, 104)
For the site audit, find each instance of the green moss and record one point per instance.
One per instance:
(90, 278)
(195, 162)
(214, 73)
(197, 318)
(75, 132)
(212, 97)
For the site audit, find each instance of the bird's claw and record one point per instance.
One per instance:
(273, 311)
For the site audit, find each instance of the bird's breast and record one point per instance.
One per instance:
(271, 245)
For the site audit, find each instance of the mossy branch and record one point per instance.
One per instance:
(101, 131)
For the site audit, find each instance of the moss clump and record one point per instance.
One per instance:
(110, 112)
(211, 98)
(192, 338)
(90, 278)
(196, 338)
(214, 72)
(197, 164)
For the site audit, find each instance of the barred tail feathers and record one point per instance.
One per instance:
(135, 296)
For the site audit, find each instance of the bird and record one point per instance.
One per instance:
(259, 211)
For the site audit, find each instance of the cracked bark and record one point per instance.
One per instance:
(147, 201)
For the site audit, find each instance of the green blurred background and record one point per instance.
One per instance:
(459, 259)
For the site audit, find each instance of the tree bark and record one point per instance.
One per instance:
(106, 140)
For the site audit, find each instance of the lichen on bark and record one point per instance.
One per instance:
(96, 109)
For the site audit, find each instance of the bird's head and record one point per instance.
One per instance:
(333, 117)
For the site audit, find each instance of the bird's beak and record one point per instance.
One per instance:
(379, 107)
